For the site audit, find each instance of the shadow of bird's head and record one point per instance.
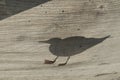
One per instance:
(52, 41)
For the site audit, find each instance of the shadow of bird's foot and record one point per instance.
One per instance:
(48, 62)
(62, 64)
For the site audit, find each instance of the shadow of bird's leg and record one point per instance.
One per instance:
(62, 64)
(51, 62)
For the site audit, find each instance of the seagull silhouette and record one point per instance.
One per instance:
(70, 46)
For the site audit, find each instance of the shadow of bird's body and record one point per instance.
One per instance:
(66, 47)
(71, 46)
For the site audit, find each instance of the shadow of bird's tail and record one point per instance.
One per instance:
(106, 37)
(98, 40)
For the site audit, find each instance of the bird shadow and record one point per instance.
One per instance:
(72, 45)
(12, 7)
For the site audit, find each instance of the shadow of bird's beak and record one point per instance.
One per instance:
(43, 41)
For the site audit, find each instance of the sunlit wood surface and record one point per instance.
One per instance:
(22, 57)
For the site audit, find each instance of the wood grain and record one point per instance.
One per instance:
(22, 57)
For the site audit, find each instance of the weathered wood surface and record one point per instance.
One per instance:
(22, 57)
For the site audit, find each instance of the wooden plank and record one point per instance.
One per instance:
(22, 57)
